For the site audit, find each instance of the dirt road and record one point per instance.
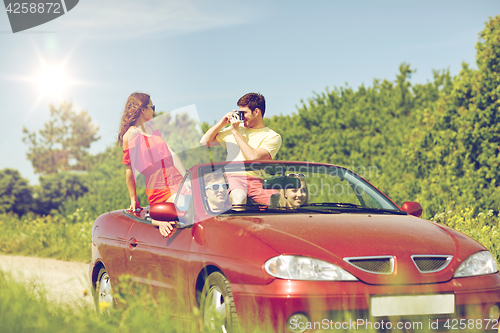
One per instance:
(65, 282)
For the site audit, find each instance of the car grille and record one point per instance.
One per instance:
(377, 265)
(430, 264)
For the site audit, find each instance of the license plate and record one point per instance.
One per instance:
(412, 305)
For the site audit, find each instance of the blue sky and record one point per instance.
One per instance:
(209, 53)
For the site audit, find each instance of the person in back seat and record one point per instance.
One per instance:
(294, 197)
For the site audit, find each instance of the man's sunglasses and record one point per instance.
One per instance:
(215, 187)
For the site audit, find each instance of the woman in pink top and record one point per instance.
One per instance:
(145, 151)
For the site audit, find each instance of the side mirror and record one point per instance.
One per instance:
(163, 212)
(281, 183)
(412, 208)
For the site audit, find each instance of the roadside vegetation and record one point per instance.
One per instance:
(24, 308)
(52, 236)
(436, 143)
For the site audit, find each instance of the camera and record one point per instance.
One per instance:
(239, 115)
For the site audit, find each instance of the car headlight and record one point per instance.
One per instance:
(480, 263)
(304, 268)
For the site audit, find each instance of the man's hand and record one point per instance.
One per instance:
(234, 121)
(226, 120)
(166, 228)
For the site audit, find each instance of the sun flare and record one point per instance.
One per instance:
(52, 81)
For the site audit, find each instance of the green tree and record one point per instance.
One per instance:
(456, 142)
(57, 188)
(63, 142)
(107, 190)
(15, 192)
(364, 130)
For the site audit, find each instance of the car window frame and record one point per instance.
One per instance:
(190, 211)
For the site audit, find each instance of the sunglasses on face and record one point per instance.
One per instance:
(153, 107)
(216, 187)
(297, 175)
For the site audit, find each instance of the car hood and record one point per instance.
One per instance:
(335, 237)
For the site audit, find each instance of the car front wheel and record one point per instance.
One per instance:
(217, 305)
(104, 298)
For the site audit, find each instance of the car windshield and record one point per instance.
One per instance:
(290, 188)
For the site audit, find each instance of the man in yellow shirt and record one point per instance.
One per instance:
(247, 141)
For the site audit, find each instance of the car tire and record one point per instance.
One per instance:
(217, 304)
(103, 291)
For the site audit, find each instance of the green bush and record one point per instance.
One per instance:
(53, 236)
(482, 226)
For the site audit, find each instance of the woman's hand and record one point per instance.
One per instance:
(134, 204)
(166, 228)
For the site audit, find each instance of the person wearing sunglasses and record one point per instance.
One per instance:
(247, 139)
(216, 190)
(295, 197)
(146, 153)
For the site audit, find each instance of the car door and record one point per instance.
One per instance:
(110, 236)
(160, 262)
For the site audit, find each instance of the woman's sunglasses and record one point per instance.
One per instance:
(153, 107)
(297, 175)
(215, 187)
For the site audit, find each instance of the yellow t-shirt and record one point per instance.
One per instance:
(256, 138)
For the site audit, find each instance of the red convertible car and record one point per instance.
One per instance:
(329, 251)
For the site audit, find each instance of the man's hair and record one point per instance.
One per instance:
(253, 101)
(213, 177)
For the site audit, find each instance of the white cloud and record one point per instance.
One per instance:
(115, 18)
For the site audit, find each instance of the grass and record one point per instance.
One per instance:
(24, 308)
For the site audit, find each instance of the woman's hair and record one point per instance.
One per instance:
(282, 199)
(135, 103)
